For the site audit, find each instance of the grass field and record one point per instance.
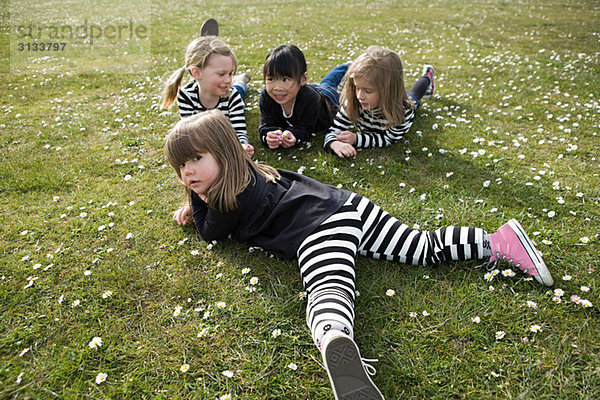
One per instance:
(89, 249)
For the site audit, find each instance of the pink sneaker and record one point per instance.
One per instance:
(511, 243)
(347, 371)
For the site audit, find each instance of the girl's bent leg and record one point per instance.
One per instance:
(240, 83)
(417, 91)
(423, 87)
(333, 78)
(241, 88)
(330, 82)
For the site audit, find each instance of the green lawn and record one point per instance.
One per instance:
(89, 248)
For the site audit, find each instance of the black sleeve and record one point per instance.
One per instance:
(212, 224)
(268, 116)
(307, 112)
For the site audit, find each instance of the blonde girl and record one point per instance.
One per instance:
(376, 110)
(212, 65)
(324, 228)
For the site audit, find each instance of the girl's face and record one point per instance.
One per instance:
(284, 90)
(215, 78)
(200, 173)
(366, 93)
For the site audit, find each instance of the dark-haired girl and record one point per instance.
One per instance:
(292, 111)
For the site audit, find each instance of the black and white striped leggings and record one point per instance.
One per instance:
(327, 256)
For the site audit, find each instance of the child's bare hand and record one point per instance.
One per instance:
(249, 149)
(347, 137)
(274, 139)
(288, 139)
(342, 149)
(183, 215)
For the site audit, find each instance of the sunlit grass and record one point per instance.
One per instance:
(86, 201)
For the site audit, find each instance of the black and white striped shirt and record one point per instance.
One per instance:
(370, 128)
(232, 107)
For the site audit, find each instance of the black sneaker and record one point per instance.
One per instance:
(429, 72)
(347, 374)
(210, 27)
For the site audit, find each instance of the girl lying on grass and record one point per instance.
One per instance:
(324, 228)
(374, 103)
(212, 65)
(292, 111)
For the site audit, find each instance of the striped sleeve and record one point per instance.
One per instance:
(187, 98)
(233, 108)
(372, 131)
(340, 123)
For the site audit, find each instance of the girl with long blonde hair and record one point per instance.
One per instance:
(375, 108)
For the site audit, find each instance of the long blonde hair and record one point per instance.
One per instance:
(211, 132)
(382, 68)
(197, 55)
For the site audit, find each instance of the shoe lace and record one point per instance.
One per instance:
(368, 367)
(491, 265)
